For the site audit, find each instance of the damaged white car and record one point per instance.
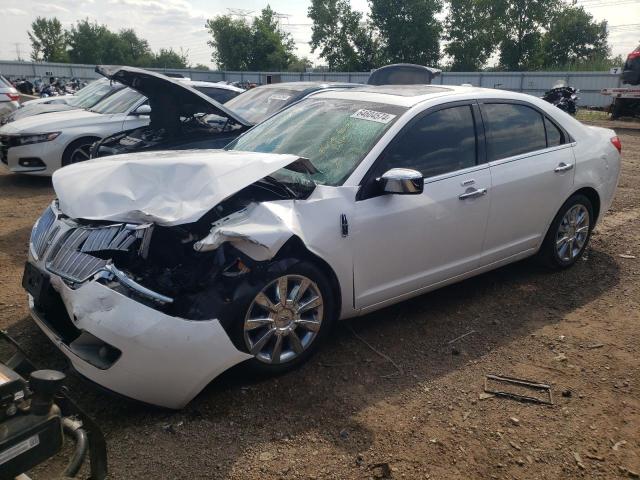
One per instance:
(155, 272)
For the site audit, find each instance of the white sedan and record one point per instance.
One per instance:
(157, 272)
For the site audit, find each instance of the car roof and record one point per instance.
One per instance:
(302, 86)
(410, 95)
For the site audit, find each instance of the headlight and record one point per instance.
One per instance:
(39, 138)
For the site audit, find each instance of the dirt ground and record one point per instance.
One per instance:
(416, 411)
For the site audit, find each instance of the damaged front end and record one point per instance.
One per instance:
(123, 298)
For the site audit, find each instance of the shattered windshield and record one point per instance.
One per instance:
(334, 134)
(257, 104)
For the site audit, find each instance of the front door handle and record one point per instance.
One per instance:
(473, 193)
(563, 167)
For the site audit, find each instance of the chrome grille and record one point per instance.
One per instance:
(70, 259)
(42, 233)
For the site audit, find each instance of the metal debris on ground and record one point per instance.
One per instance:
(626, 255)
(518, 389)
(461, 337)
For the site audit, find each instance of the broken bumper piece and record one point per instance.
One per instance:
(135, 350)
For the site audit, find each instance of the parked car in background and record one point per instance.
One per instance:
(259, 103)
(185, 114)
(39, 145)
(84, 98)
(179, 265)
(631, 69)
(9, 98)
(201, 130)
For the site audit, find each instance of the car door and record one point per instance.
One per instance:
(532, 167)
(405, 244)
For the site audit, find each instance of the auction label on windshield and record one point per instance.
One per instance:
(373, 116)
(279, 98)
(19, 449)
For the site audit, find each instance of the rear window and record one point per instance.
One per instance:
(512, 129)
(220, 95)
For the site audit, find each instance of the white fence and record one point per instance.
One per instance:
(533, 83)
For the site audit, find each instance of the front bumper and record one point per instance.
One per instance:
(164, 361)
(49, 153)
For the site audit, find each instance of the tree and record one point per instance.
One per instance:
(344, 39)
(573, 37)
(409, 29)
(169, 58)
(92, 43)
(48, 41)
(521, 42)
(271, 47)
(260, 45)
(135, 50)
(231, 41)
(200, 66)
(472, 29)
(299, 65)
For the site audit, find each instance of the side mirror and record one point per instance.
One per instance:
(142, 110)
(403, 181)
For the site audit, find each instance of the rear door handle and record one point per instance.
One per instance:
(563, 167)
(473, 193)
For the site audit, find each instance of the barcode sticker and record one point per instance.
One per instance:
(373, 116)
(19, 449)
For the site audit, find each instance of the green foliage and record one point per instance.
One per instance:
(574, 37)
(169, 58)
(472, 30)
(48, 41)
(345, 41)
(299, 65)
(200, 66)
(409, 30)
(231, 41)
(522, 23)
(261, 45)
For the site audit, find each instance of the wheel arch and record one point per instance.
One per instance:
(593, 196)
(295, 247)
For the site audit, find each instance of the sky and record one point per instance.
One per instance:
(180, 23)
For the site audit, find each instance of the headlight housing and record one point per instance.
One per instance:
(37, 138)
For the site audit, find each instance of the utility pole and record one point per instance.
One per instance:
(18, 51)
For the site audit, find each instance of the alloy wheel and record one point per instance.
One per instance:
(283, 319)
(80, 154)
(572, 233)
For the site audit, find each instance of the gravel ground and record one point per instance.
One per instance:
(389, 396)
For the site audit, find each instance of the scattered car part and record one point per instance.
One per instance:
(497, 385)
(35, 413)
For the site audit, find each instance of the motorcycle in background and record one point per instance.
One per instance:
(564, 97)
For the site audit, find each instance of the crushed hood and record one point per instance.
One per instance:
(167, 188)
(160, 89)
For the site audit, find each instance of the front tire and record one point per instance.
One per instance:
(78, 151)
(287, 317)
(569, 233)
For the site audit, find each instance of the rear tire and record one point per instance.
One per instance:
(78, 151)
(568, 234)
(283, 332)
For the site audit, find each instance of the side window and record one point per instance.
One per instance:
(512, 130)
(555, 136)
(441, 142)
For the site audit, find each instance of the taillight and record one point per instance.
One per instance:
(14, 97)
(616, 143)
(633, 55)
